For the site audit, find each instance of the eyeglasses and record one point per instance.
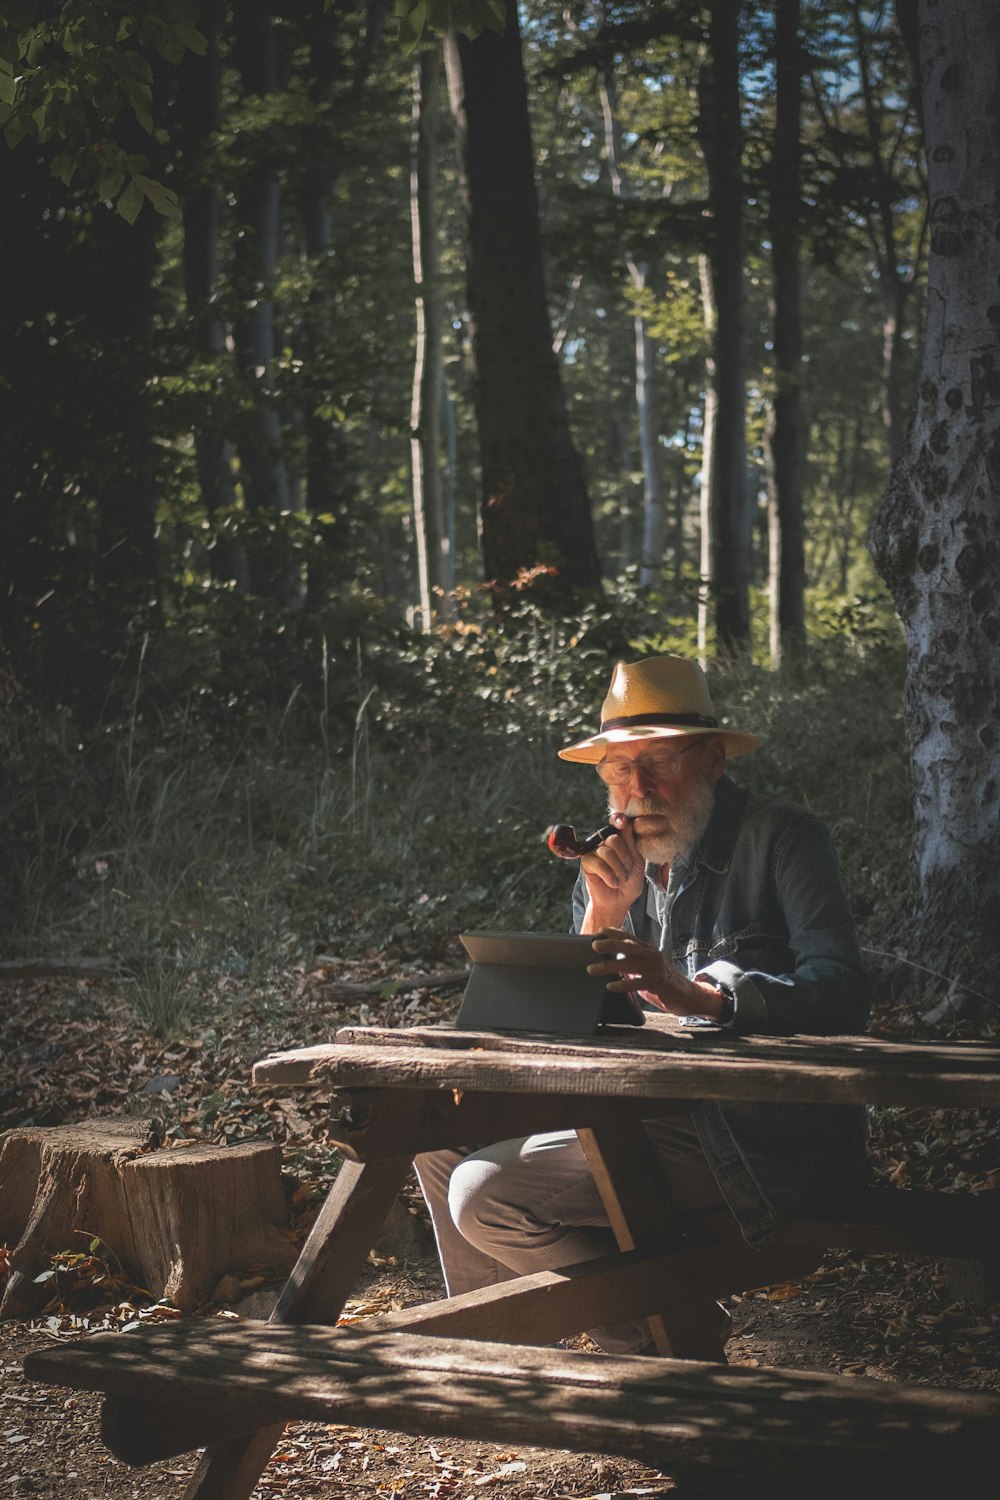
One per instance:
(659, 766)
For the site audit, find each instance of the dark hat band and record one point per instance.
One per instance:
(668, 721)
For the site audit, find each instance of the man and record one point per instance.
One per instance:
(709, 901)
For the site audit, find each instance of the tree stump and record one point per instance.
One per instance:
(177, 1219)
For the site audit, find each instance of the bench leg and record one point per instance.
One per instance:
(624, 1167)
(330, 1262)
(631, 1186)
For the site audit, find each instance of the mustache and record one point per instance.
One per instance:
(645, 807)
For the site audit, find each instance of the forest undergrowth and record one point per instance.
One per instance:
(263, 815)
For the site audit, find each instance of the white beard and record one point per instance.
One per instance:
(686, 823)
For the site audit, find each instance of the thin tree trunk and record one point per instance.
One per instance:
(428, 366)
(651, 570)
(198, 89)
(721, 136)
(619, 444)
(450, 483)
(680, 490)
(262, 468)
(894, 285)
(784, 437)
(651, 565)
(537, 529)
(324, 444)
(707, 485)
(936, 539)
(127, 568)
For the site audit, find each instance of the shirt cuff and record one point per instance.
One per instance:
(749, 1007)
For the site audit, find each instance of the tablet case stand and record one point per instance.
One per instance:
(529, 993)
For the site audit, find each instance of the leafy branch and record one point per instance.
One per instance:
(469, 17)
(76, 83)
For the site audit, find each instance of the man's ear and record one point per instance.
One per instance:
(715, 757)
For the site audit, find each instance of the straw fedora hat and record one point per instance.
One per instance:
(654, 699)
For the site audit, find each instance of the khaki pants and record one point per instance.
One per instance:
(531, 1205)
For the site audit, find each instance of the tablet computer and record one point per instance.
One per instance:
(538, 981)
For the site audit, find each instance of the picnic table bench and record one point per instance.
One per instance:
(456, 1367)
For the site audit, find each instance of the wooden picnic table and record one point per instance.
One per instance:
(395, 1093)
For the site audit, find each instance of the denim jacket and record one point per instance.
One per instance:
(757, 906)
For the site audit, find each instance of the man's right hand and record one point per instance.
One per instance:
(615, 875)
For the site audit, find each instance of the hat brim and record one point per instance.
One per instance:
(591, 751)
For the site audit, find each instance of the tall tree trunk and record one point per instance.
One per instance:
(324, 440)
(428, 365)
(651, 569)
(450, 482)
(721, 137)
(198, 99)
(127, 568)
(706, 487)
(535, 511)
(651, 565)
(936, 539)
(262, 468)
(894, 285)
(784, 437)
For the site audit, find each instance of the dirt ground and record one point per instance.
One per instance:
(882, 1318)
(68, 1051)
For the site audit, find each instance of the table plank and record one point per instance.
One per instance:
(835, 1071)
(666, 1033)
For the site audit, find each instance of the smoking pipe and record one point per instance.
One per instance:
(562, 840)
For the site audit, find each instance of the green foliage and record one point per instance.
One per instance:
(78, 81)
(468, 17)
(269, 795)
(84, 1277)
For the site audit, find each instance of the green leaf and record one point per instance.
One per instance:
(64, 166)
(130, 202)
(163, 199)
(170, 46)
(14, 132)
(140, 99)
(489, 15)
(110, 184)
(192, 38)
(411, 26)
(443, 13)
(8, 87)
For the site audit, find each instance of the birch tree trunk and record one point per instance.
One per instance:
(936, 539)
(428, 365)
(535, 511)
(720, 134)
(784, 438)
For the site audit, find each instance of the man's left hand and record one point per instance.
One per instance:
(640, 966)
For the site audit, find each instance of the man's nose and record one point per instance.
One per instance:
(640, 777)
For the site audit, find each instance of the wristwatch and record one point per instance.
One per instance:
(728, 1012)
